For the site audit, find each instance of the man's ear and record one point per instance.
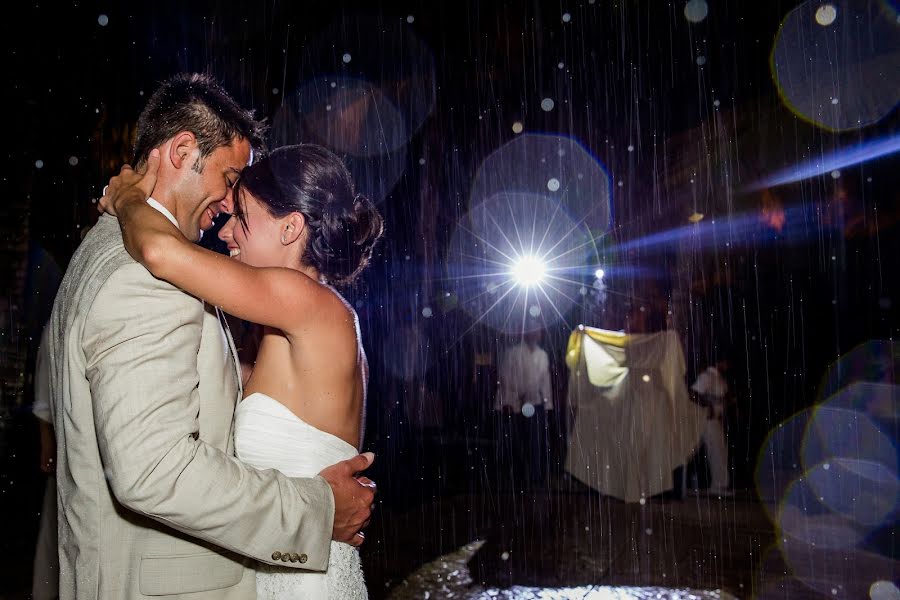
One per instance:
(182, 149)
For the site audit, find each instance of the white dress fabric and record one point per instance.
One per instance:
(269, 436)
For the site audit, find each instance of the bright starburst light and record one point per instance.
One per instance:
(517, 258)
(529, 271)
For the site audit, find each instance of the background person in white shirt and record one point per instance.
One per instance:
(711, 390)
(524, 396)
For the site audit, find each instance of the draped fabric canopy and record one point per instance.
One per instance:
(634, 420)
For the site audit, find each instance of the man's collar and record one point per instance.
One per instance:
(165, 211)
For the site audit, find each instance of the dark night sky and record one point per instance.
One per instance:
(630, 76)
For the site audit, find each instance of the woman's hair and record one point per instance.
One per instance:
(342, 226)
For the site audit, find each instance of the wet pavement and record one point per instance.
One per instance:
(449, 577)
(560, 543)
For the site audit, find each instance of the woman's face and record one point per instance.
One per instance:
(257, 240)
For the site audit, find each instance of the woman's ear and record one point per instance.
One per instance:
(293, 225)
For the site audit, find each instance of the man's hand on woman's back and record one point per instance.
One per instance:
(353, 497)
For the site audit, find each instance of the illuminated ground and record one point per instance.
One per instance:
(570, 544)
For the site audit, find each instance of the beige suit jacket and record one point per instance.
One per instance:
(151, 500)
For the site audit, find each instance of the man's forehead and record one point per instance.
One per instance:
(237, 155)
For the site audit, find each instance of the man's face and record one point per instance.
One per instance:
(202, 196)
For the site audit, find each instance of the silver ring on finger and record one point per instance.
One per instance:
(105, 187)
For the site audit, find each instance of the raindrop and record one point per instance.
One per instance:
(103, 20)
(73, 160)
(504, 556)
(141, 93)
(648, 531)
(527, 410)
(346, 58)
(696, 10)
(834, 100)
(275, 91)
(835, 174)
(553, 184)
(716, 103)
(645, 379)
(39, 164)
(334, 84)
(517, 127)
(547, 104)
(560, 65)
(534, 311)
(410, 18)
(642, 501)
(630, 148)
(701, 60)
(427, 312)
(421, 161)
(566, 17)
(826, 14)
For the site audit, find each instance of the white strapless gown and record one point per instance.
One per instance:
(268, 435)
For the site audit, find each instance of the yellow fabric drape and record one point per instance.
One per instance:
(604, 336)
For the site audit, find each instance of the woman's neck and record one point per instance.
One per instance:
(310, 272)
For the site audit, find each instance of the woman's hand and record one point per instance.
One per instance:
(130, 186)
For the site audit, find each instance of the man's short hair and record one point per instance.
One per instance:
(197, 103)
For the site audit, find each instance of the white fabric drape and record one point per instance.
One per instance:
(634, 421)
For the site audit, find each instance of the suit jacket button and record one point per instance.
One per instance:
(276, 555)
(294, 557)
(303, 558)
(286, 557)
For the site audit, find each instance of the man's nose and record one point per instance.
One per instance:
(227, 203)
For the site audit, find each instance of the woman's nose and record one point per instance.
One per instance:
(227, 230)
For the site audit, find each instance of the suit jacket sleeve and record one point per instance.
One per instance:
(141, 340)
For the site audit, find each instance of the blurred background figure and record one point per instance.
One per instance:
(45, 580)
(524, 398)
(711, 391)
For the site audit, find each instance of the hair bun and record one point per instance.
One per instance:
(346, 237)
(367, 220)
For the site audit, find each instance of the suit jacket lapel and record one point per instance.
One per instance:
(233, 350)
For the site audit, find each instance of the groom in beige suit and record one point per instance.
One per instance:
(144, 378)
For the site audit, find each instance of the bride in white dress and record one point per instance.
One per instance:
(297, 229)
